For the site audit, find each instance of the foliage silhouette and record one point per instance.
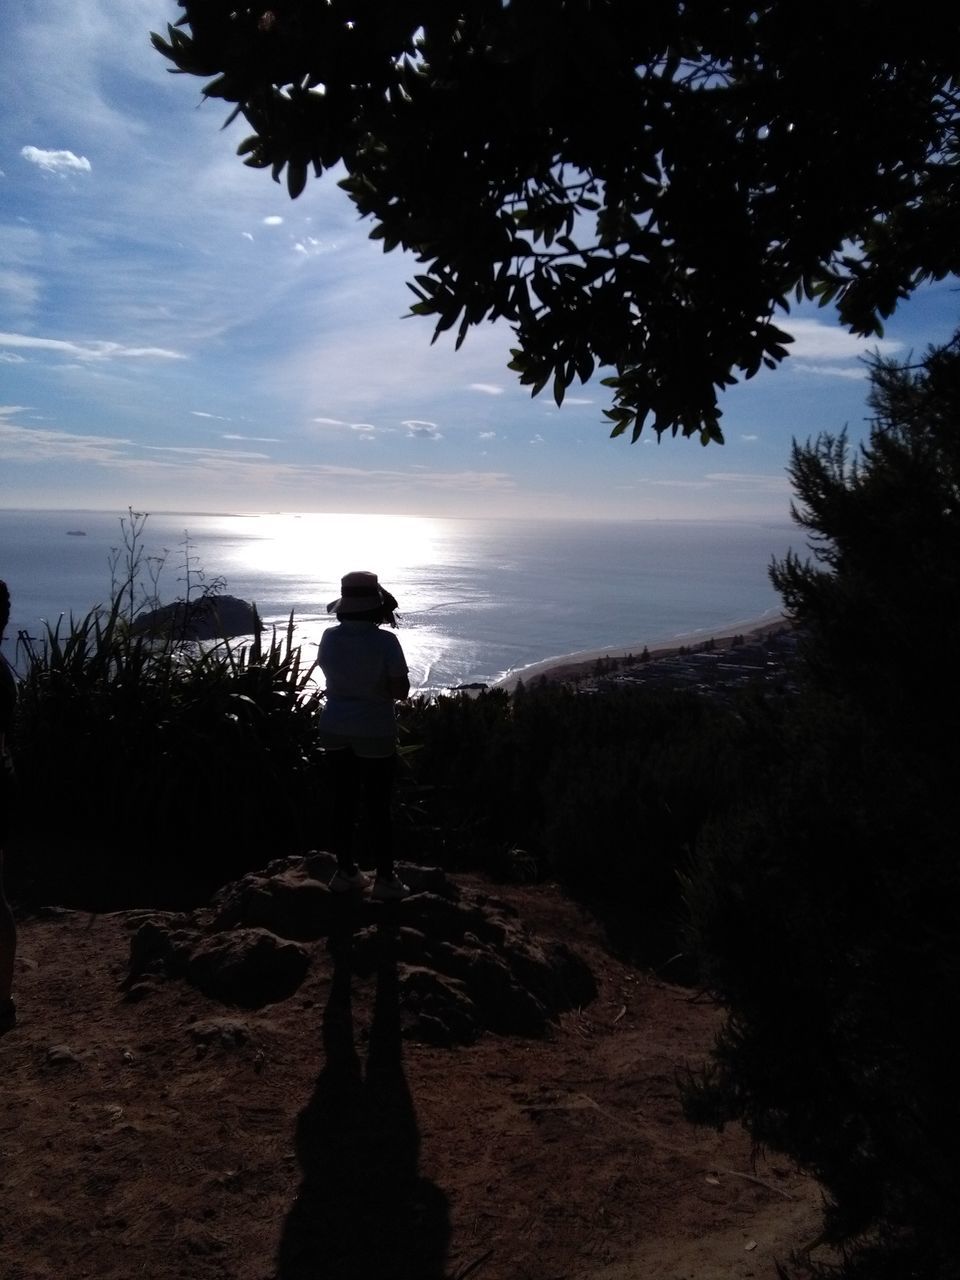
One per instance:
(825, 913)
(638, 189)
(604, 791)
(152, 768)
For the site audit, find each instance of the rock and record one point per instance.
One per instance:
(229, 1033)
(247, 967)
(206, 618)
(462, 959)
(290, 897)
(60, 1056)
(158, 950)
(134, 992)
(557, 976)
(445, 1013)
(506, 1006)
(291, 904)
(490, 972)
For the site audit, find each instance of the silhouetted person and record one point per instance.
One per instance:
(366, 672)
(8, 929)
(363, 1212)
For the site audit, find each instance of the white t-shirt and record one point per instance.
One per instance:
(358, 660)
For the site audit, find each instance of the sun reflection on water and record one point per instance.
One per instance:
(300, 560)
(323, 547)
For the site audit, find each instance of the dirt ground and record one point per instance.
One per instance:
(170, 1136)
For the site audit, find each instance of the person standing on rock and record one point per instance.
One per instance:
(8, 929)
(366, 673)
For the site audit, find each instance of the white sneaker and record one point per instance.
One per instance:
(389, 889)
(343, 883)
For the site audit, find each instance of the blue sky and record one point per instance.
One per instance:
(176, 334)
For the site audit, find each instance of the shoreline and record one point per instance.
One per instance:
(566, 666)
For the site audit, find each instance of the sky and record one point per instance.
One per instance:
(176, 334)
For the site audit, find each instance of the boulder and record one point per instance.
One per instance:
(247, 967)
(462, 960)
(291, 903)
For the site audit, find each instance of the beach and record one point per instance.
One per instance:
(574, 665)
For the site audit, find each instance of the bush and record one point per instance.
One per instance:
(151, 770)
(826, 909)
(605, 792)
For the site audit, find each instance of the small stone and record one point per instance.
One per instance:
(61, 1055)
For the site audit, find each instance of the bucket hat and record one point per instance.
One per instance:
(360, 591)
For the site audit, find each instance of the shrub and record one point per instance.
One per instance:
(151, 769)
(605, 792)
(826, 910)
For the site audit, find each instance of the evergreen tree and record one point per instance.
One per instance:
(826, 915)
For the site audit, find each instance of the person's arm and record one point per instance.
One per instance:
(397, 676)
(398, 687)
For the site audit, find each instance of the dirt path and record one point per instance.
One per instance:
(174, 1137)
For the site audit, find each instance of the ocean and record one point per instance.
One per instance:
(480, 600)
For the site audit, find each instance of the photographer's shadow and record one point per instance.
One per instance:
(363, 1212)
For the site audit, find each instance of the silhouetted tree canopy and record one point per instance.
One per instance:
(826, 912)
(884, 523)
(633, 187)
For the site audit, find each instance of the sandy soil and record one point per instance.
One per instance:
(174, 1137)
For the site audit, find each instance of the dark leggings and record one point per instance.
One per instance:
(360, 791)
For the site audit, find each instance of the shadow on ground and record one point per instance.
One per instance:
(362, 1209)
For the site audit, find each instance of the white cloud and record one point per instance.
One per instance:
(767, 483)
(251, 439)
(858, 374)
(273, 220)
(312, 246)
(202, 451)
(56, 161)
(199, 413)
(22, 288)
(749, 439)
(200, 471)
(339, 422)
(423, 430)
(365, 359)
(488, 435)
(31, 444)
(488, 388)
(814, 340)
(91, 350)
(538, 439)
(7, 357)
